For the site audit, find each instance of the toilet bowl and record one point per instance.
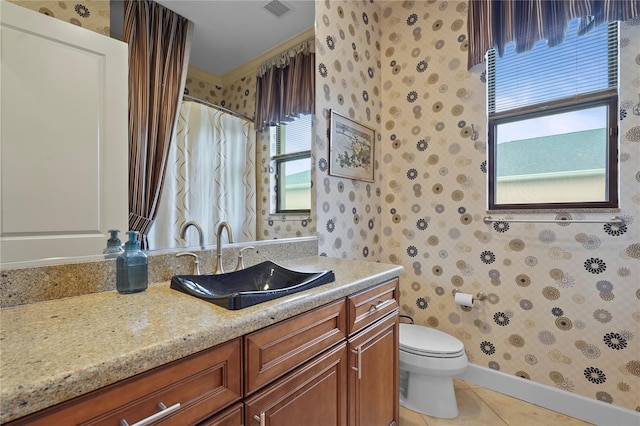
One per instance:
(429, 359)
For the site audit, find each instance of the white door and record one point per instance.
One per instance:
(63, 142)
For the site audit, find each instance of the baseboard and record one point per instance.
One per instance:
(568, 403)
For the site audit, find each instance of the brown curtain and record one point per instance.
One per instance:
(159, 41)
(285, 86)
(495, 23)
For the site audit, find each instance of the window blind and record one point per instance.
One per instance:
(294, 136)
(582, 64)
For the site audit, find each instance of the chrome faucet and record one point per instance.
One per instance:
(240, 264)
(223, 225)
(186, 225)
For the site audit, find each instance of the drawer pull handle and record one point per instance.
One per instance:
(358, 352)
(262, 418)
(164, 411)
(376, 306)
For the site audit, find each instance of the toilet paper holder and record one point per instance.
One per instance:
(478, 296)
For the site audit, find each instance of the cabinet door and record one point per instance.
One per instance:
(313, 395)
(63, 114)
(229, 417)
(373, 374)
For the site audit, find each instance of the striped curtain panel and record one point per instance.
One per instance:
(285, 86)
(159, 42)
(494, 24)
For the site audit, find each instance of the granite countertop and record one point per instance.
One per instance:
(53, 351)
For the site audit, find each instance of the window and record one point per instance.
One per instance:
(291, 164)
(553, 124)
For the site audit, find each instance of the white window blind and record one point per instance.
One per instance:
(294, 136)
(581, 65)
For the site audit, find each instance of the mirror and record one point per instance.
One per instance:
(246, 15)
(230, 39)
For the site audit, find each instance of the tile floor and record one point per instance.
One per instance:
(480, 406)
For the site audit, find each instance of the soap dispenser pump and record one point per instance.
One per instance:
(131, 267)
(114, 245)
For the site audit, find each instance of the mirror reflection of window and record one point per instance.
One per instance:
(291, 165)
(552, 123)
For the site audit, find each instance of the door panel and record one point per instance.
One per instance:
(64, 144)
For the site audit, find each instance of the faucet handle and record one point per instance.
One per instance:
(246, 248)
(240, 264)
(196, 262)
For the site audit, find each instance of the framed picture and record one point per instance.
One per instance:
(351, 148)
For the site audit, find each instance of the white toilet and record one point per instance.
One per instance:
(429, 359)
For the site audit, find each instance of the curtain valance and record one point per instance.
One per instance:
(285, 86)
(494, 24)
(283, 59)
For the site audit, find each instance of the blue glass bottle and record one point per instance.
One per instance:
(114, 245)
(131, 267)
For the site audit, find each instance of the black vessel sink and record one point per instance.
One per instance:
(249, 286)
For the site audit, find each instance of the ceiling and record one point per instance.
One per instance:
(229, 33)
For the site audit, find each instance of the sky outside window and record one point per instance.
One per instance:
(556, 124)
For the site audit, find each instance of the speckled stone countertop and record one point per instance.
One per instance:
(56, 350)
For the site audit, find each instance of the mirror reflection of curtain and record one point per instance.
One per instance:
(285, 86)
(210, 178)
(159, 45)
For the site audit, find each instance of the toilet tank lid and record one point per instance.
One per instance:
(427, 339)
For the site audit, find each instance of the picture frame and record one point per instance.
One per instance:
(351, 149)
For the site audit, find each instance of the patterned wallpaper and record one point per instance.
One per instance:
(563, 305)
(348, 80)
(203, 85)
(238, 96)
(90, 14)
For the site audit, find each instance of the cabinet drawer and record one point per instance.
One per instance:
(202, 384)
(369, 305)
(277, 349)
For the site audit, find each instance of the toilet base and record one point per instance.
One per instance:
(433, 396)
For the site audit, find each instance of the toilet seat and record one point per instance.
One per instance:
(429, 342)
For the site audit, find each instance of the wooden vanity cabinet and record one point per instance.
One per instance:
(336, 364)
(315, 369)
(203, 383)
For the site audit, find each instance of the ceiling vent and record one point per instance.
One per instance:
(277, 8)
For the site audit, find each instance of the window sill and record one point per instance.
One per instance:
(290, 217)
